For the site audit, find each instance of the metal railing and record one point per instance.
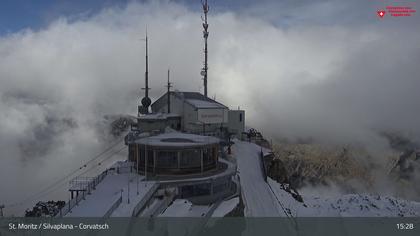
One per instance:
(84, 185)
(140, 205)
(70, 204)
(113, 207)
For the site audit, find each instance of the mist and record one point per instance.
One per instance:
(337, 83)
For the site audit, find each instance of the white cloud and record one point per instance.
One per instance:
(330, 82)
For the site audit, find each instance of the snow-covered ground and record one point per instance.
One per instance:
(146, 188)
(261, 199)
(349, 205)
(225, 207)
(184, 208)
(108, 192)
(258, 199)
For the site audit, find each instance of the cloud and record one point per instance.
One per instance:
(337, 83)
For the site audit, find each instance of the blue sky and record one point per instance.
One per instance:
(16, 15)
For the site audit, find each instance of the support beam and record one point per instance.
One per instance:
(202, 161)
(145, 162)
(179, 159)
(154, 161)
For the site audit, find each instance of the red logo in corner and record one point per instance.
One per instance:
(381, 13)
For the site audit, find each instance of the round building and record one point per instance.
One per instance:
(175, 153)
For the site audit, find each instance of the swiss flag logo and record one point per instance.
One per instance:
(381, 13)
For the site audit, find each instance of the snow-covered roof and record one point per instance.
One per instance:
(195, 99)
(184, 208)
(176, 139)
(204, 104)
(157, 116)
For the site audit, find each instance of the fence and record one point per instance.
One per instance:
(262, 165)
(113, 207)
(145, 199)
(70, 204)
(84, 185)
(125, 167)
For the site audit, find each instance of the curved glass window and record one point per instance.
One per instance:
(190, 158)
(167, 159)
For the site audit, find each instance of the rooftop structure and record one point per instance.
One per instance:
(200, 114)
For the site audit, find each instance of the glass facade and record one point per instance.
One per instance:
(161, 161)
(167, 159)
(190, 158)
(142, 155)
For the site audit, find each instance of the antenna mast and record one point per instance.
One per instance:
(205, 35)
(146, 101)
(169, 85)
(146, 74)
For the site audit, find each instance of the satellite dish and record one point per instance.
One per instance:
(202, 72)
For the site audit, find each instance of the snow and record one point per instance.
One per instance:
(258, 198)
(102, 198)
(184, 140)
(157, 116)
(204, 104)
(108, 192)
(348, 205)
(184, 208)
(151, 209)
(125, 209)
(225, 207)
(261, 199)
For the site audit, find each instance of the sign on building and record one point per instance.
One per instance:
(212, 116)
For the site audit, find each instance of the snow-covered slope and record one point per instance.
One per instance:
(270, 199)
(349, 205)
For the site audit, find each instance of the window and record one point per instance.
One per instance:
(240, 117)
(142, 157)
(207, 157)
(190, 158)
(167, 159)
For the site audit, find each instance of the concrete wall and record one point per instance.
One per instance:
(236, 122)
(177, 107)
(151, 125)
(189, 116)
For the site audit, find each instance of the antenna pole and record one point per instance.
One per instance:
(146, 101)
(205, 35)
(169, 95)
(147, 69)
